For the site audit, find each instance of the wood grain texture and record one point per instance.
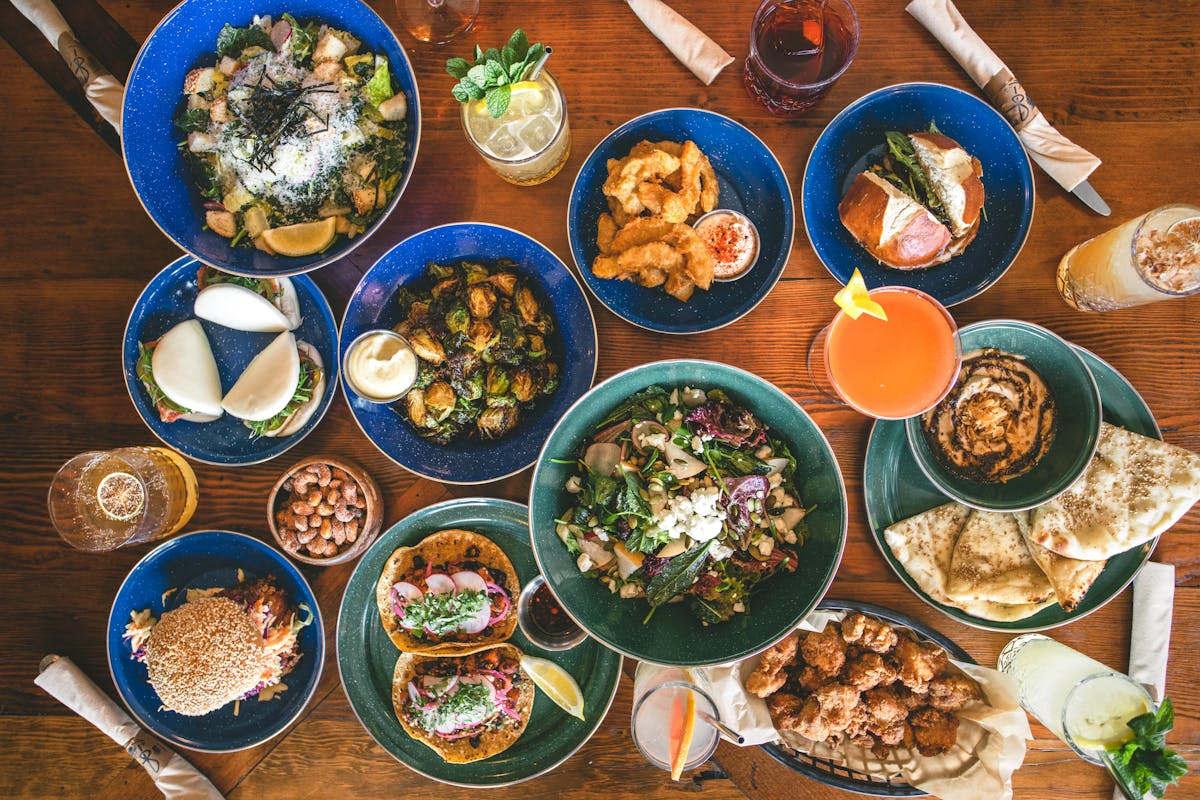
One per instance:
(76, 248)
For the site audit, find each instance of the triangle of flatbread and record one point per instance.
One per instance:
(1135, 488)
(924, 546)
(991, 562)
(1070, 577)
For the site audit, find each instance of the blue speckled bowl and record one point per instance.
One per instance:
(373, 305)
(841, 153)
(168, 300)
(204, 560)
(751, 181)
(673, 635)
(186, 38)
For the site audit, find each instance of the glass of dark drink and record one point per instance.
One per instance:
(798, 48)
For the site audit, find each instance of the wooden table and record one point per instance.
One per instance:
(76, 249)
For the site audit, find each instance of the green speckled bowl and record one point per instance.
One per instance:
(673, 635)
(367, 657)
(1077, 430)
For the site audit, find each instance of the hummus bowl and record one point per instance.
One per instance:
(1049, 444)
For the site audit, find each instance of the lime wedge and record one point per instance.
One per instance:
(121, 496)
(855, 300)
(556, 682)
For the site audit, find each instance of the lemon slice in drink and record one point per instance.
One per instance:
(301, 239)
(556, 682)
(121, 496)
(1187, 228)
(527, 97)
(683, 726)
(855, 300)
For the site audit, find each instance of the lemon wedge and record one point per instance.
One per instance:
(526, 98)
(855, 300)
(121, 496)
(683, 725)
(301, 239)
(556, 682)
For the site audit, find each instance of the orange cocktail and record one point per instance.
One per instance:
(898, 368)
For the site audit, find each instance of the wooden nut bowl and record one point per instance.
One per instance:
(371, 521)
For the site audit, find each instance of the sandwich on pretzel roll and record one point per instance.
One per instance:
(920, 206)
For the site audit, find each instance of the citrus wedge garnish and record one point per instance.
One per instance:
(301, 239)
(683, 725)
(121, 496)
(855, 300)
(556, 682)
(1187, 228)
(526, 98)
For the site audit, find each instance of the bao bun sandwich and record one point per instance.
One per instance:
(280, 389)
(260, 305)
(449, 594)
(464, 708)
(180, 374)
(920, 205)
(227, 646)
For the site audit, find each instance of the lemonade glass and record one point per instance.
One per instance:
(531, 141)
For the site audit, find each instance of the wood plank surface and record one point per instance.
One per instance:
(76, 248)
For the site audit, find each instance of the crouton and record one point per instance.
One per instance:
(221, 223)
(369, 198)
(228, 65)
(395, 108)
(329, 48)
(198, 142)
(327, 71)
(218, 112)
(199, 80)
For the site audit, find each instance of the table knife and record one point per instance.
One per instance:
(1091, 198)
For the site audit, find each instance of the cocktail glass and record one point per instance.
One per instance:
(656, 692)
(1152, 257)
(105, 499)
(891, 369)
(798, 49)
(530, 142)
(1083, 702)
(438, 21)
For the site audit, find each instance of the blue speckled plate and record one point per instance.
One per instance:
(204, 560)
(165, 302)
(374, 305)
(895, 488)
(186, 38)
(367, 657)
(751, 181)
(856, 135)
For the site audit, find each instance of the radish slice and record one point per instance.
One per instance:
(280, 32)
(407, 591)
(439, 583)
(468, 581)
(480, 621)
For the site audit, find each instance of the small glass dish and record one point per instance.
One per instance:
(739, 216)
(348, 376)
(533, 631)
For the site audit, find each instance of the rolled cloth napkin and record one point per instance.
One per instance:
(704, 57)
(1066, 162)
(1150, 635)
(173, 775)
(102, 89)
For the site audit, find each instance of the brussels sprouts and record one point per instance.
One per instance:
(457, 319)
(497, 381)
(495, 422)
(524, 387)
(445, 288)
(438, 272)
(475, 273)
(414, 403)
(482, 335)
(439, 400)
(418, 311)
(426, 347)
(527, 305)
(505, 283)
(481, 300)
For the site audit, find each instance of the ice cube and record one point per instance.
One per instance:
(537, 133)
(502, 143)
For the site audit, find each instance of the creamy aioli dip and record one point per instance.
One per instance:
(381, 366)
(732, 240)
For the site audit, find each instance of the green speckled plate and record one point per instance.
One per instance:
(367, 657)
(896, 488)
(673, 635)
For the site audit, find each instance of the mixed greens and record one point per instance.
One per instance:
(901, 168)
(296, 123)
(684, 495)
(483, 341)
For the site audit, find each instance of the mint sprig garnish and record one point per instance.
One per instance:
(491, 77)
(1144, 764)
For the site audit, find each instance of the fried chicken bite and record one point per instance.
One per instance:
(810, 679)
(919, 663)
(935, 731)
(869, 634)
(952, 691)
(790, 713)
(893, 735)
(884, 705)
(811, 724)
(769, 676)
(839, 704)
(868, 671)
(825, 650)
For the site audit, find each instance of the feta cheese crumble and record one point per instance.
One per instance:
(698, 517)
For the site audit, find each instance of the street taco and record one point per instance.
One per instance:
(465, 708)
(449, 594)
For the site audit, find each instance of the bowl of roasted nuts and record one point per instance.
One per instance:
(325, 510)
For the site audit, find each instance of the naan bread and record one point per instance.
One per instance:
(991, 562)
(1135, 488)
(924, 546)
(1070, 577)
